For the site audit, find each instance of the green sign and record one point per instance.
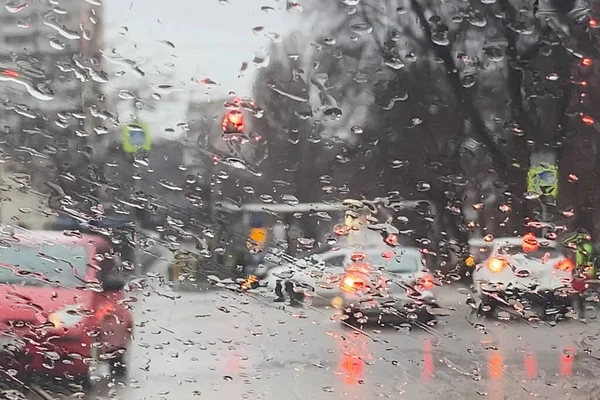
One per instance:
(135, 137)
(543, 179)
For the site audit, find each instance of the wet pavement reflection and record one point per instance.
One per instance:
(220, 344)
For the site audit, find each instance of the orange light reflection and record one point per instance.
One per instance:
(428, 364)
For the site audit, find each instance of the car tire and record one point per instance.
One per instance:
(485, 313)
(119, 365)
(349, 319)
(426, 317)
(295, 298)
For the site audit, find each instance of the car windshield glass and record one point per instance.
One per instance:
(346, 183)
(540, 253)
(395, 263)
(32, 266)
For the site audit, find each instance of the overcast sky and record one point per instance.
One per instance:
(211, 38)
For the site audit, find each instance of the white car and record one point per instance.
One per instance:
(533, 282)
(323, 279)
(388, 284)
(314, 279)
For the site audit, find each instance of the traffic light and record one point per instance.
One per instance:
(233, 122)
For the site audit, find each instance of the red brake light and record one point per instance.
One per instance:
(233, 122)
(529, 243)
(352, 283)
(497, 264)
(359, 267)
(565, 265)
(392, 240)
(10, 73)
(358, 256)
(425, 281)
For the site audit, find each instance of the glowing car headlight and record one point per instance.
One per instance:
(66, 317)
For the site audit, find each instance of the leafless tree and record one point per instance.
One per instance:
(451, 101)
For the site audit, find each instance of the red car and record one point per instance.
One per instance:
(62, 306)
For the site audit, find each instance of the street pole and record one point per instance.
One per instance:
(538, 158)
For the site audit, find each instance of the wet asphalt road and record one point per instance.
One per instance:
(223, 345)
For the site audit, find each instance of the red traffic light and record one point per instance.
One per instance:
(233, 122)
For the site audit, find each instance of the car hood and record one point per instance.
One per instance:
(34, 304)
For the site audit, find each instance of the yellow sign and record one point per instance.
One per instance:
(351, 221)
(543, 179)
(258, 235)
(470, 261)
(135, 137)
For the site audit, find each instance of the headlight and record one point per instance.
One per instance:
(66, 317)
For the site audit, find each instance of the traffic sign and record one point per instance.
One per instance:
(258, 236)
(135, 137)
(543, 179)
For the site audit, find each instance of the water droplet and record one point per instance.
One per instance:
(361, 28)
(293, 7)
(223, 175)
(341, 230)
(290, 199)
(266, 198)
(440, 38)
(333, 113)
(357, 130)
(494, 53)
(573, 178)
(57, 44)
(169, 185)
(531, 196)
(457, 19)
(14, 6)
(468, 80)
(395, 164)
(126, 94)
(423, 186)
(478, 206)
(393, 62)
(504, 316)
(477, 19)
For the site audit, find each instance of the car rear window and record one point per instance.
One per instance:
(397, 263)
(36, 266)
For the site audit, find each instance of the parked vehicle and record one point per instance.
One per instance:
(62, 312)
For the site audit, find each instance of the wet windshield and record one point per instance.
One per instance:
(540, 253)
(394, 263)
(213, 147)
(37, 266)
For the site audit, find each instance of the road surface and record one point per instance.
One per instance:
(216, 344)
(224, 345)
